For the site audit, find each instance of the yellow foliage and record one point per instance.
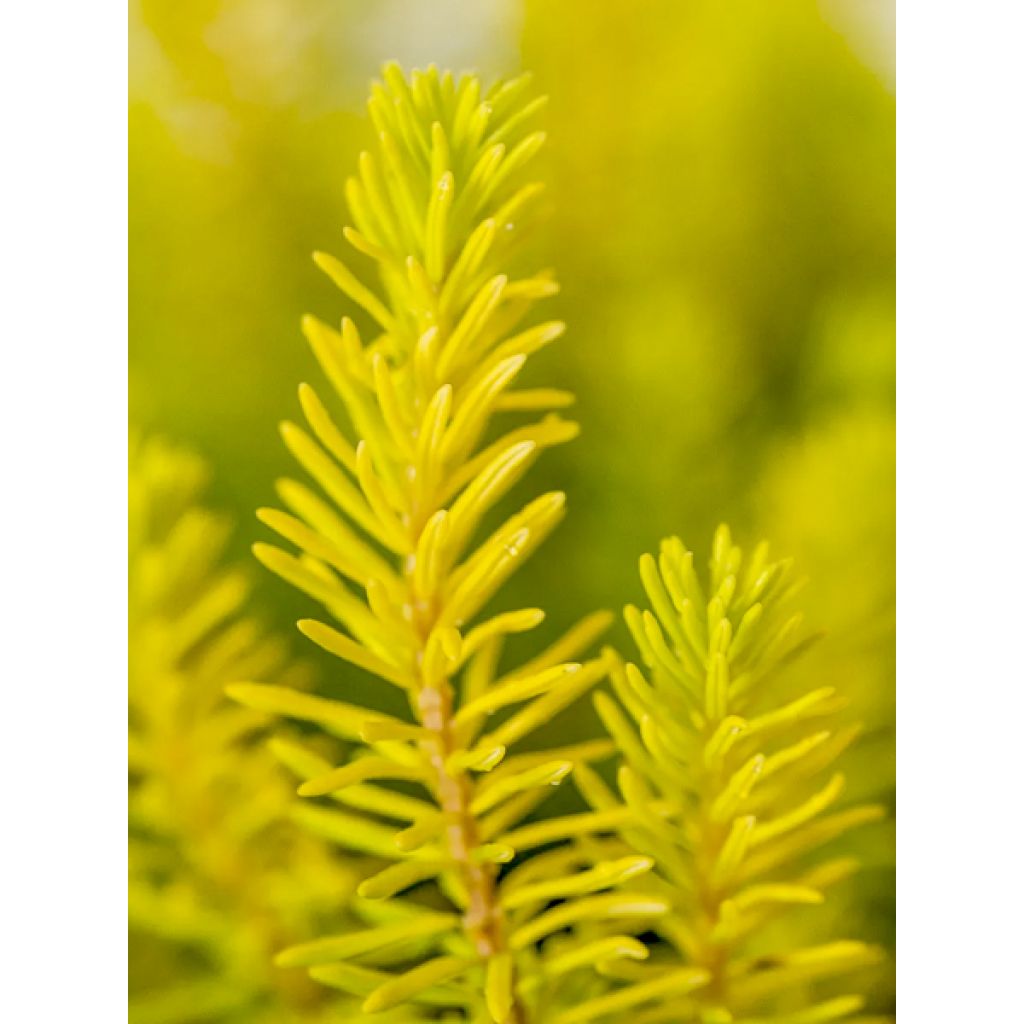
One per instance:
(728, 783)
(216, 875)
(394, 555)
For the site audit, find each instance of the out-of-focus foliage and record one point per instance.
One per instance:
(723, 222)
(218, 878)
(723, 225)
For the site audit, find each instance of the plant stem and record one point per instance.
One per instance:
(483, 921)
(713, 955)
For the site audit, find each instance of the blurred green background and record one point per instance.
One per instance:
(722, 186)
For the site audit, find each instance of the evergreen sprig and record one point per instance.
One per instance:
(727, 781)
(392, 549)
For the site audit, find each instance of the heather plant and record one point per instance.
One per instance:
(655, 902)
(440, 210)
(727, 780)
